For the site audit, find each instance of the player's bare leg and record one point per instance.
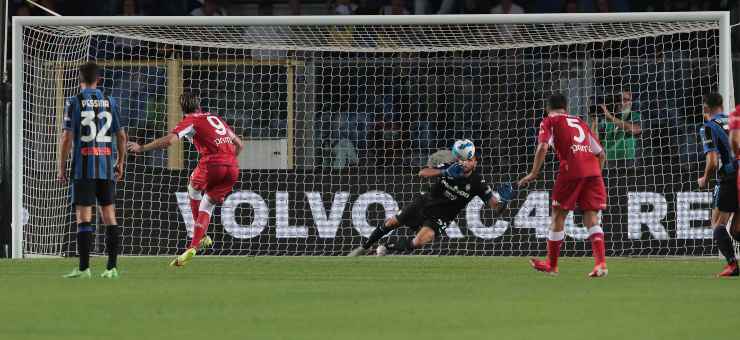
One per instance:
(423, 236)
(598, 247)
(112, 240)
(85, 231)
(723, 239)
(375, 236)
(554, 242)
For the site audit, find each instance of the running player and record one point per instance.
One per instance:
(217, 169)
(579, 182)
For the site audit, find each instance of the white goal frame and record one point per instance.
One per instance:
(725, 67)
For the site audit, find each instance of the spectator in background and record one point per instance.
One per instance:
(570, 6)
(22, 10)
(294, 7)
(345, 7)
(507, 7)
(477, 7)
(602, 6)
(396, 7)
(129, 7)
(209, 8)
(620, 131)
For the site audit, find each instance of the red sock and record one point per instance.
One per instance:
(201, 226)
(194, 206)
(553, 252)
(598, 248)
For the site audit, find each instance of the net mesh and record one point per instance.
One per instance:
(339, 119)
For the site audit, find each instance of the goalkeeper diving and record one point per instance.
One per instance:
(430, 213)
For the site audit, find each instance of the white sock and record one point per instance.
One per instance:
(556, 235)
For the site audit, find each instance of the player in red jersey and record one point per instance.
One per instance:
(732, 269)
(217, 169)
(578, 183)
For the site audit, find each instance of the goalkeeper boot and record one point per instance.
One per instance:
(184, 258)
(75, 273)
(599, 271)
(110, 274)
(359, 251)
(205, 243)
(543, 266)
(730, 270)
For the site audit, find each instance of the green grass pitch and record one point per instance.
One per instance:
(368, 298)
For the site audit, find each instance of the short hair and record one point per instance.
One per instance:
(189, 102)
(557, 101)
(713, 100)
(89, 73)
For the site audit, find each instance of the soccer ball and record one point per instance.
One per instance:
(381, 251)
(463, 149)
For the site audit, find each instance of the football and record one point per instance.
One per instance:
(463, 149)
(381, 251)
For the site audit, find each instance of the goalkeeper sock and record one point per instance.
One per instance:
(722, 238)
(554, 241)
(401, 245)
(112, 245)
(84, 243)
(377, 234)
(194, 206)
(598, 248)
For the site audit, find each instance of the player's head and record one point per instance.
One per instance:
(470, 164)
(626, 100)
(189, 102)
(712, 103)
(89, 74)
(557, 101)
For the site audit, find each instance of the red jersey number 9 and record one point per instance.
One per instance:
(217, 124)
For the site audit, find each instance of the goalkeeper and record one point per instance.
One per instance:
(430, 213)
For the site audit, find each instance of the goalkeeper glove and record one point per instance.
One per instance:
(506, 193)
(455, 170)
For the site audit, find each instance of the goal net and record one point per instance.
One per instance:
(339, 114)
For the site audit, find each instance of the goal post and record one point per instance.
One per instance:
(338, 111)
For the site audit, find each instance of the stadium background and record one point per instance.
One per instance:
(470, 99)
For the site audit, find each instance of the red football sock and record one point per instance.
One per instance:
(194, 206)
(598, 248)
(553, 252)
(201, 226)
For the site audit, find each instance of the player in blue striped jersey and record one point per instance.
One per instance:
(720, 159)
(98, 146)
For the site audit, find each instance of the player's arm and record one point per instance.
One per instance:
(452, 170)
(710, 153)
(157, 144)
(65, 142)
(630, 127)
(121, 142)
(539, 160)
(237, 142)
